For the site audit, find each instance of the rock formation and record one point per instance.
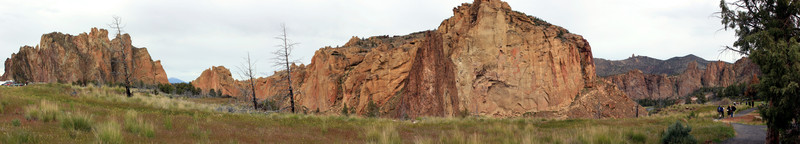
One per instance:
(647, 65)
(218, 78)
(83, 58)
(486, 60)
(639, 85)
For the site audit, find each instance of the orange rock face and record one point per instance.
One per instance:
(217, 78)
(717, 74)
(486, 59)
(86, 57)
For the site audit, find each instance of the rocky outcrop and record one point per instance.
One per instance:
(486, 60)
(86, 57)
(639, 85)
(217, 78)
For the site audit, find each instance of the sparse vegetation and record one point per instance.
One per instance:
(19, 137)
(137, 126)
(196, 120)
(45, 111)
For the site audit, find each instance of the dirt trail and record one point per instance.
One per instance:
(747, 134)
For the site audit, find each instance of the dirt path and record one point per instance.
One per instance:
(747, 134)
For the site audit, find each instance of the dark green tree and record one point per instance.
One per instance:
(767, 32)
(344, 110)
(372, 110)
(212, 93)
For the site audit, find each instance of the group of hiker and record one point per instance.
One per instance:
(730, 109)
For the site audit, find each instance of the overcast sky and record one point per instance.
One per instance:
(189, 36)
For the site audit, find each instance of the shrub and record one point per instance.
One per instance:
(79, 122)
(678, 134)
(16, 122)
(108, 133)
(166, 88)
(344, 110)
(269, 105)
(372, 110)
(136, 125)
(463, 113)
(45, 111)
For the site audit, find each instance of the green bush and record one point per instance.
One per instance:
(108, 133)
(166, 88)
(79, 122)
(136, 125)
(678, 134)
(16, 122)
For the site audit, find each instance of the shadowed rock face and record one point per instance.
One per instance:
(486, 59)
(639, 85)
(86, 57)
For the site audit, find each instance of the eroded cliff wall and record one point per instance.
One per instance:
(487, 59)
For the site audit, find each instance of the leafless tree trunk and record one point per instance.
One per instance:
(247, 71)
(282, 59)
(124, 60)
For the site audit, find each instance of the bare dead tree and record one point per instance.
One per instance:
(247, 71)
(282, 60)
(116, 25)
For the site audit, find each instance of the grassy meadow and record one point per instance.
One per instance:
(60, 113)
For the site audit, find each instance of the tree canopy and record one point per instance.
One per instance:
(767, 32)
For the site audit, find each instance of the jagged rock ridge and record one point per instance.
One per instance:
(486, 59)
(83, 58)
(640, 85)
(647, 65)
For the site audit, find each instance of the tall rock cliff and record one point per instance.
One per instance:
(640, 85)
(83, 58)
(486, 59)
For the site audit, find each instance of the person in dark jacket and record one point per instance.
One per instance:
(720, 112)
(733, 110)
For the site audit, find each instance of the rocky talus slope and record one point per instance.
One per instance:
(487, 60)
(86, 57)
(640, 85)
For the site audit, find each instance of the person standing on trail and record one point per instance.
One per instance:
(729, 111)
(733, 110)
(720, 112)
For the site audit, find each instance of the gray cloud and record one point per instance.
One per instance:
(190, 35)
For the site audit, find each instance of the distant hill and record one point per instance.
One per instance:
(648, 65)
(175, 80)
